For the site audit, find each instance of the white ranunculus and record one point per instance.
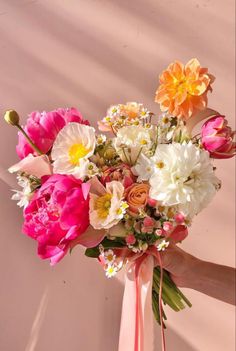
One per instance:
(131, 141)
(183, 176)
(73, 146)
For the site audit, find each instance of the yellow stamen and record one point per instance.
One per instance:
(76, 152)
(109, 257)
(165, 120)
(103, 204)
(160, 164)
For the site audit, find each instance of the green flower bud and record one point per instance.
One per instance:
(12, 117)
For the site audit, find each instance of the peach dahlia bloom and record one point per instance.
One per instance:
(183, 88)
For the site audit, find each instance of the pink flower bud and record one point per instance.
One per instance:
(148, 222)
(167, 226)
(130, 239)
(217, 138)
(179, 218)
(159, 232)
(152, 202)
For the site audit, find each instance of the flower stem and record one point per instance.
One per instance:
(39, 152)
(171, 294)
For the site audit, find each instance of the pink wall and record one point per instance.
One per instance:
(89, 54)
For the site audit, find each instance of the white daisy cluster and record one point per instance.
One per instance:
(111, 266)
(132, 141)
(23, 196)
(131, 113)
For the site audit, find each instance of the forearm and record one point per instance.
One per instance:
(212, 279)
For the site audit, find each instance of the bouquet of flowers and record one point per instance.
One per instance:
(128, 195)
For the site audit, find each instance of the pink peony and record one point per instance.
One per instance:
(217, 138)
(57, 215)
(43, 127)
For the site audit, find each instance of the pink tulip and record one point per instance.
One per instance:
(217, 138)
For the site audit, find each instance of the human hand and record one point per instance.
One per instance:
(187, 271)
(181, 265)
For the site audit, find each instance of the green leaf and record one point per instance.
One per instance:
(107, 244)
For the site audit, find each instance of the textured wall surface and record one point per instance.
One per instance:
(90, 54)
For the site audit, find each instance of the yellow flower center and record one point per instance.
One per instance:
(110, 270)
(160, 164)
(109, 257)
(76, 152)
(165, 120)
(103, 204)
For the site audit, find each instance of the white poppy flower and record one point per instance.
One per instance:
(106, 204)
(73, 146)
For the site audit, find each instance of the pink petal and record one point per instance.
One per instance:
(179, 233)
(201, 115)
(85, 189)
(37, 166)
(96, 187)
(90, 238)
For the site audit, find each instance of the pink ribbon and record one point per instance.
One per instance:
(136, 331)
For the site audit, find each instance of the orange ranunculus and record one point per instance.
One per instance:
(183, 89)
(137, 196)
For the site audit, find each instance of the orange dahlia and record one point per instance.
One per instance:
(183, 88)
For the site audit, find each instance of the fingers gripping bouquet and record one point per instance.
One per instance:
(125, 197)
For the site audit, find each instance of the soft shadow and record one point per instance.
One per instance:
(174, 342)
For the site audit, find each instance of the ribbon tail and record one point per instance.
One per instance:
(136, 331)
(163, 341)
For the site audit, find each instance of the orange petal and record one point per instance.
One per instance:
(186, 109)
(180, 97)
(178, 70)
(197, 88)
(166, 77)
(192, 66)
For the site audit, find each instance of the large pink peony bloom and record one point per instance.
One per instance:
(217, 138)
(57, 215)
(43, 127)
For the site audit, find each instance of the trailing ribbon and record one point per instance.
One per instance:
(136, 331)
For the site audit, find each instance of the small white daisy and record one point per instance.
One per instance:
(101, 138)
(122, 209)
(165, 121)
(23, 196)
(91, 169)
(163, 245)
(109, 256)
(111, 271)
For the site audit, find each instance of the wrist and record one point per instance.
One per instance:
(192, 274)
